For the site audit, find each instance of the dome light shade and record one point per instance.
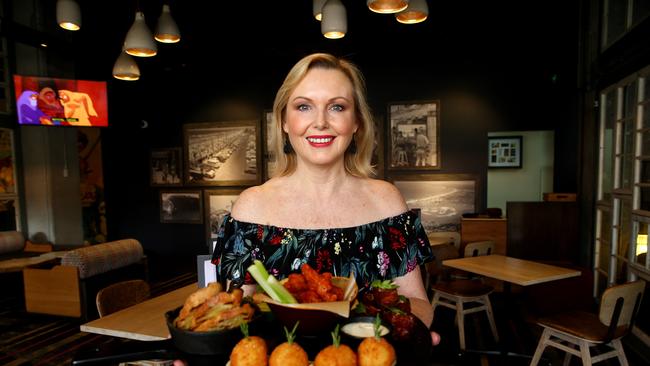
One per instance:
(68, 14)
(318, 9)
(334, 24)
(416, 12)
(387, 6)
(166, 29)
(139, 40)
(126, 68)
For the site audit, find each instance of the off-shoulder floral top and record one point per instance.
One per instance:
(380, 250)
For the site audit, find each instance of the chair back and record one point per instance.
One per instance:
(121, 295)
(620, 303)
(474, 249)
(452, 236)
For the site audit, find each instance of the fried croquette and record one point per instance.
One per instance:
(374, 351)
(333, 355)
(250, 351)
(288, 354)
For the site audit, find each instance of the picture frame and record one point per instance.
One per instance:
(270, 161)
(505, 151)
(222, 153)
(181, 206)
(217, 203)
(413, 135)
(441, 199)
(166, 167)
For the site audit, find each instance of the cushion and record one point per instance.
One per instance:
(104, 257)
(11, 241)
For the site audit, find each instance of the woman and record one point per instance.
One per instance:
(321, 207)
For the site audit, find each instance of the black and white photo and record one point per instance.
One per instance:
(218, 203)
(222, 153)
(181, 207)
(414, 135)
(441, 199)
(166, 167)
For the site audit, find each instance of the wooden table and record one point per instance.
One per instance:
(18, 264)
(144, 321)
(511, 270)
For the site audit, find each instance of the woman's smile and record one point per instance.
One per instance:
(321, 141)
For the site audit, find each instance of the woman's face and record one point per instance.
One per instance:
(320, 117)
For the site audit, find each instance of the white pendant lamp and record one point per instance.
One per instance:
(318, 9)
(334, 23)
(416, 12)
(387, 6)
(139, 40)
(126, 68)
(166, 29)
(68, 14)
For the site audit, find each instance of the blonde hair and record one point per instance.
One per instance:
(356, 164)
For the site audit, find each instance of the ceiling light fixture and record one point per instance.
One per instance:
(318, 9)
(68, 15)
(126, 68)
(139, 40)
(166, 29)
(416, 12)
(334, 23)
(387, 6)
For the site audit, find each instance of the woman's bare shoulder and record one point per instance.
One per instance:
(252, 203)
(388, 197)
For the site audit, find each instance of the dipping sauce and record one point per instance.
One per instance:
(363, 329)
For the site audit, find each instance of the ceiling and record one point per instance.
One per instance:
(460, 33)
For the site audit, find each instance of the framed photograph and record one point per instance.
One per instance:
(181, 206)
(269, 153)
(222, 153)
(414, 135)
(440, 198)
(505, 151)
(218, 202)
(165, 166)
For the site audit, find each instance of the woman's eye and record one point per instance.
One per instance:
(303, 107)
(337, 108)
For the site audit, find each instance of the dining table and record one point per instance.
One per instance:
(144, 321)
(511, 271)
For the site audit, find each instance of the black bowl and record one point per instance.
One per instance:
(215, 342)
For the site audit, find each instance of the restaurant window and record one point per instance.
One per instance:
(620, 16)
(623, 196)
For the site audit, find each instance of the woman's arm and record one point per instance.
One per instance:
(411, 286)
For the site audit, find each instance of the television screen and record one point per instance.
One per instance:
(60, 102)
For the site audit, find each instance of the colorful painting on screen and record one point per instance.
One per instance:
(61, 102)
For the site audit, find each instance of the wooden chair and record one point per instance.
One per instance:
(576, 332)
(121, 295)
(467, 296)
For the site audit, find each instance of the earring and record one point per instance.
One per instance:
(288, 149)
(352, 148)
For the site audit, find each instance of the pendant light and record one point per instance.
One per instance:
(166, 29)
(139, 40)
(126, 68)
(387, 6)
(334, 23)
(318, 9)
(416, 12)
(68, 14)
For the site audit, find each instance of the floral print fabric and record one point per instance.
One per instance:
(381, 250)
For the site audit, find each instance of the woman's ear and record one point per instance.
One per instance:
(284, 127)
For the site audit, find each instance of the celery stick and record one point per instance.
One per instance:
(283, 293)
(254, 270)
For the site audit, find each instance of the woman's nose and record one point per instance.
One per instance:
(321, 120)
